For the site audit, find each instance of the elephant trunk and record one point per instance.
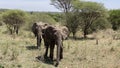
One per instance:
(39, 39)
(58, 55)
(59, 50)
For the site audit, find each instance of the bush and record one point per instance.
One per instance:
(14, 19)
(100, 24)
(1, 66)
(115, 19)
(37, 17)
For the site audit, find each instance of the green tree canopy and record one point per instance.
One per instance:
(89, 12)
(115, 18)
(80, 13)
(100, 24)
(37, 17)
(14, 19)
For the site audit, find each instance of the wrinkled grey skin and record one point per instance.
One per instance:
(64, 31)
(37, 29)
(52, 36)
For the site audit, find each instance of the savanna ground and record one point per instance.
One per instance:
(20, 52)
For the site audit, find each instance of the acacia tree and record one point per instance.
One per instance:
(80, 13)
(71, 17)
(63, 5)
(89, 12)
(73, 23)
(100, 24)
(14, 19)
(88, 19)
(115, 18)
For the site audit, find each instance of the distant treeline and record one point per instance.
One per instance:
(14, 19)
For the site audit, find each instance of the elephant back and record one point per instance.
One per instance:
(64, 31)
(51, 32)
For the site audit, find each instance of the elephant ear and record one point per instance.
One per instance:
(64, 32)
(34, 29)
(44, 25)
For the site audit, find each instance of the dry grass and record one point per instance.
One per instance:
(21, 53)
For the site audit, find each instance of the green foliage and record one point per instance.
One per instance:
(115, 18)
(1, 19)
(100, 24)
(71, 19)
(1, 66)
(89, 12)
(37, 17)
(44, 17)
(80, 13)
(58, 17)
(14, 19)
(73, 22)
(88, 6)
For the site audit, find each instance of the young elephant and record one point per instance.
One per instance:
(52, 36)
(37, 30)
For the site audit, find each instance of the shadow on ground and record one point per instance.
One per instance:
(46, 60)
(31, 47)
(81, 38)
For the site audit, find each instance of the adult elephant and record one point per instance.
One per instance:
(38, 28)
(52, 36)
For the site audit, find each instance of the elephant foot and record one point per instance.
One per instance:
(56, 65)
(51, 58)
(45, 57)
(61, 57)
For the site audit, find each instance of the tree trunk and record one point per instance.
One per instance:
(14, 29)
(74, 35)
(17, 30)
(97, 41)
(11, 32)
(85, 33)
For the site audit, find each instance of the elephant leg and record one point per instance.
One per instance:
(46, 51)
(61, 52)
(52, 51)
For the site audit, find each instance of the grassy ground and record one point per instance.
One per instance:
(21, 53)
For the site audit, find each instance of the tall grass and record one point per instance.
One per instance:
(80, 53)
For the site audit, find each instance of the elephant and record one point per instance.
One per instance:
(38, 27)
(52, 35)
(37, 30)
